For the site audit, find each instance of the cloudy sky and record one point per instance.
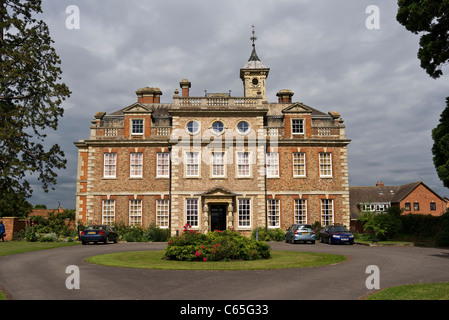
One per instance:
(322, 50)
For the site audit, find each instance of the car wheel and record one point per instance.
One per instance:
(293, 241)
(84, 243)
(330, 240)
(106, 240)
(313, 241)
(116, 240)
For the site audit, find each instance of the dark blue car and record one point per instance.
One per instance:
(98, 233)
(336, 234)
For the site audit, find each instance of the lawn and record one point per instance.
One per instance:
(424, 291)
(278, 260)
(14, 247)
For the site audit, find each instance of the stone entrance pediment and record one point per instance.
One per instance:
(218, 192)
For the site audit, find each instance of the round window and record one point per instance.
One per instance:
(193, 127)
(255, 81)
(243, 127)
(217, 127)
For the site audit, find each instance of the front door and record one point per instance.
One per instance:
(218, 217)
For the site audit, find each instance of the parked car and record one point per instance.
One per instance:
(300, 232)
(336, 234)
(98, 233)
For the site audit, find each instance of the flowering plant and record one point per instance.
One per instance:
(215, 246)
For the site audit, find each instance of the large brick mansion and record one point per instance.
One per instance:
(215, 161)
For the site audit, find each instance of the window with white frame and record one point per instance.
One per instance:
(297, 126)
(272, 164)
(244, 210)
(218, 164)
(327, 212)
(325, 164)
(135, 212)
(192, 164)
(274, 213)
(162, 210)
(300, 211)
(299, 164)
(108, 212)
(163, 165)
(110, 165)
(243, 164)
(192, 212)
(137, 126)
(136, 165)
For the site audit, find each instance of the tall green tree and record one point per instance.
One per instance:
(30, 97)
(440, 147)
(431, 18)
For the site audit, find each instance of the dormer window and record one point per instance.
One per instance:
(297, 126)
(137, 126)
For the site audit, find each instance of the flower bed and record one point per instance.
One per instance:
(215, 246)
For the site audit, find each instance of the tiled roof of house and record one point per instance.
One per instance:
(380, 194)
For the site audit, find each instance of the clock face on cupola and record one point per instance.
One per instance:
(254, 74)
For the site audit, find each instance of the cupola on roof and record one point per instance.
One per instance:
(254, 62)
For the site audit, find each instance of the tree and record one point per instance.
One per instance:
(30, 99)
(440, 149)
(431, 17)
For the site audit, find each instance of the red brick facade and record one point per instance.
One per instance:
(203, 161)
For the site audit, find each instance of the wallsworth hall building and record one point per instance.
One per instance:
(215, 161)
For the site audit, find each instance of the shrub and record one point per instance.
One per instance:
(442, 238)
(266, 234)
(384, 225)
(215, 246)
(156, 234)
(49, 237)
(139, 234)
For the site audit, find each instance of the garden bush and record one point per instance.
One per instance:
(139, 234)
(266, 234)
(49, 237)
(385, 225)
(215, 246)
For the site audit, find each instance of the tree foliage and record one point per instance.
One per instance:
(431, 17)
(30, 97)
(440, 149)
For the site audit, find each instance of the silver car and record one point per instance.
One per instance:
(300, 232)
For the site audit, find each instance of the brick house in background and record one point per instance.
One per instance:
(413, 198)
(215, 161)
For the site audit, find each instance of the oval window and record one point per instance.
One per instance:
(217, 127)
(193, 127)
(243, 127)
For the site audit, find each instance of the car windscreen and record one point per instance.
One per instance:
(338, 229)
(305, 227)
(95, 227)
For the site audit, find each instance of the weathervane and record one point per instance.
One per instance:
(253, 38)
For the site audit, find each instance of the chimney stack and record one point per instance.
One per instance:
(380, 184)
(285, 96)
(185, 86)
(149, 95)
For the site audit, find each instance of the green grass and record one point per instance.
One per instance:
(15, 247)
(424, 291)
(388, 242)
(278, 260)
